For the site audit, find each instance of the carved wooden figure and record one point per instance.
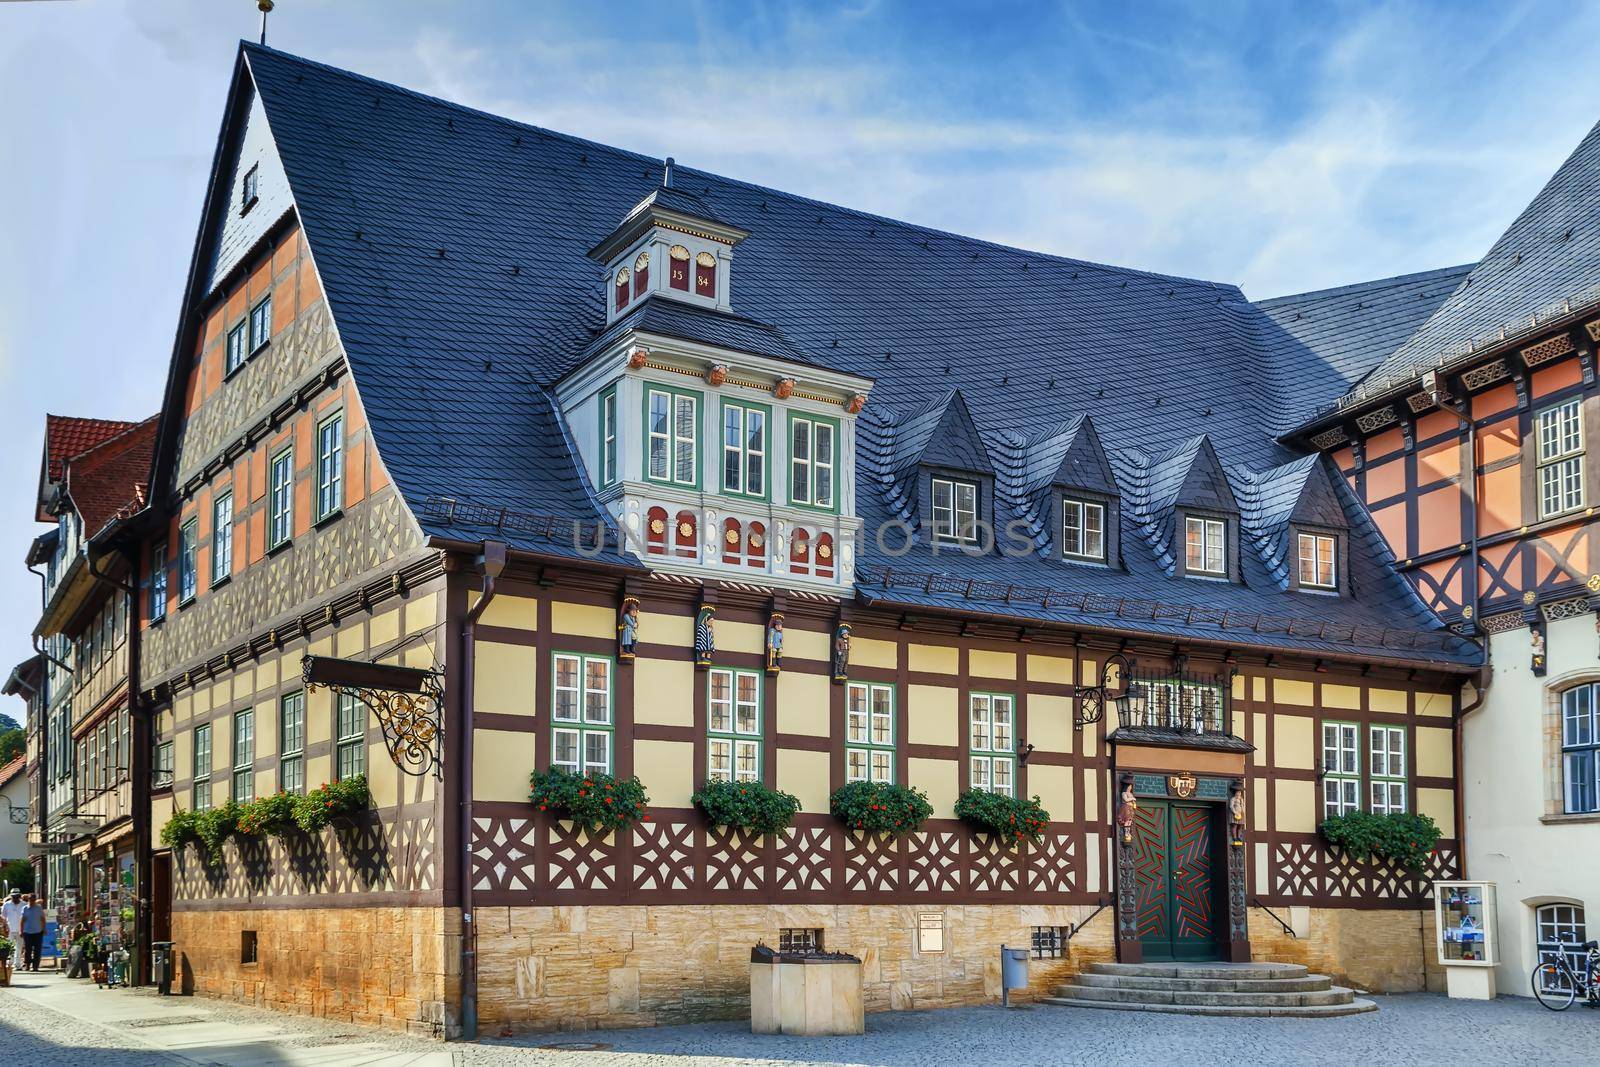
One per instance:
(1126, 810)
(705, 636)
(841, 653)
(775, 643)
(628, 628)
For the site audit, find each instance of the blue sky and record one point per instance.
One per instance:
(1282, 146)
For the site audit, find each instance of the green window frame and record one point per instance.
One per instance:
(201, 762)
(607, 414)
(1386, 766)
(236, 348)
(350, 737)
(261, 323)
(679, 440)
(582, 719)
(733, 725)
(991, 742)
(188, 567)
(807, 471)
(330, 466)
(280, 499)
(1558, 459)
(222, 539)
(244, 755)
(745, 437)
(292, 742)
(1341, 767)
(869, 732)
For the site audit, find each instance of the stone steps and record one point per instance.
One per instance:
(1225, 989)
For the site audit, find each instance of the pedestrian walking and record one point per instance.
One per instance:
(11, 915)
(32, 934)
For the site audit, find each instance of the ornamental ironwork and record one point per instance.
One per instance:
(1176, 700)
(1114, 676)
(408, 703)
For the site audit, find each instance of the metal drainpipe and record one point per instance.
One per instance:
(1481, 683)
(492, 562)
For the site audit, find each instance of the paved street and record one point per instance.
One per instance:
(46, 1020)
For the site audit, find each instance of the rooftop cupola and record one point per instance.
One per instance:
(669, 244)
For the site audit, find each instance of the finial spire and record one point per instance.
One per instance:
(666, 177)
(264, 6)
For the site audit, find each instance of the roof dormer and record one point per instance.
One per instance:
(1081, 499)
(1294, 515)
(942, 470)
(1190, 514)
(669, 244)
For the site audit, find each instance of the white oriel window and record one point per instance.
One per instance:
(1341, 768)
(1580, 750)
(608, 437)
(1083, 530)
(673, 418)
(280, 499)
(1318, 561)
(222, 538)
(955, 511)
(292, 742)
(580, 710)
(1386, 765)
(1205, 546)
(1560, 458)
(869, 732)
(202, 767)
(992, 752)
(244, 756)
(1560, 931)
(350, 737)
(330, 466)
(261, 323)
(733, 726)
(188, 546)
(812, 461)
(744, 450)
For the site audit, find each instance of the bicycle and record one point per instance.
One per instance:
(1556, 984)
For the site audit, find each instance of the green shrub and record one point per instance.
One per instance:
(880, 808)
(746, 806)
(7, 946)
(183, 827)
(1401, 838)
(216, 825)
(1008, 817)
(597, 802)
(318, 808)
(269, 815)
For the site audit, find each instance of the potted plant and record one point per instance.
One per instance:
(599, 803)
(748, 806)
(1008, 818)
(1401, 838)
(182, 828)
(333, 801)
(215, 825)
(880, 808)
(271, 815)
(6, 948)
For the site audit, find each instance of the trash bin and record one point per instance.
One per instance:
(1013, 972)
(161, 967)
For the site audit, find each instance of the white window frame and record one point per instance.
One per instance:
(280, 498)
(587, 721)
(748, 460)
(237, 347)
(1078, 529)
(188, 561)
(869, 712)
(1555, 924)
(734, 753)
(330, 466)
(1580, 750)
(1341, 767)
(1213, 539)
(804, 469)
(222, 538)
(992, 742)
(1309, 548)
(672, 439)
(953, 523)
(608, 437)
(1559, 458)
(349, 736)
(244, 755)
(292, 748)
(260, 323)
(200, 761)
(1386, 769)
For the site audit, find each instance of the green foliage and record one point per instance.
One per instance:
(17, 873)
(216, 825)
(747, 806)
(318, 808)
(13, 743)
(1008, 817)
(7, 946)
(183, 827)
(880, 808)
(269, 815)
(1405, 839)
(597, 802)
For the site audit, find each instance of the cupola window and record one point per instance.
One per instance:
(705, 275)
(641, 274)
(622, 288)
(678, 276)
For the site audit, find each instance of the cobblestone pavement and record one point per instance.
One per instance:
(46, 1021)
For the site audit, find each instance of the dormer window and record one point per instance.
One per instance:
(622, 288)
(679, 276)
(1205, 546)
(250, 189)
(673, 455)
(1319, 561)
(641, 275)
(955, 511)
(705, 275)
(1083, 530)
(812, 461)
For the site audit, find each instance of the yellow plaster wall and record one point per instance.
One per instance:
(667, 770)
(584, 620)
(1057, 669)
(502, 760)
(1292, 742)
(506, 678)
(1434, 752)
(803, 703)
(1435, 704)
(1297, 809)
(931, 715)
(869, 652)
(1345, 697)
(807, 644)
(517, 612)
(741, 637)
(1050, 723)
(938, 778)
(932, 659)
(1387, 700)
(674, 630)
(1292, 691)
(1440, 805)
(983, 664)
(663, 691)
(805, 774)
(1053, 786)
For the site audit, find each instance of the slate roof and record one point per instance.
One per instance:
(1346, 332)
(452, 247)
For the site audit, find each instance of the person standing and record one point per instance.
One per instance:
(32, 934)
(11, 916)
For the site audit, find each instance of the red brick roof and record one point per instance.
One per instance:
(66, 436)
(12, 769)
(110, 479)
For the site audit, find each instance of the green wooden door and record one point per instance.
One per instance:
(1174, 860)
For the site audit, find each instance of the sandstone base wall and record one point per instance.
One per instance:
(1378, 951)
(392, 967)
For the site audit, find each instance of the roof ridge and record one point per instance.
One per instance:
(1357, 287)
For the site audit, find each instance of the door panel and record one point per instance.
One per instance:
(1150, 865)
(1193, 897)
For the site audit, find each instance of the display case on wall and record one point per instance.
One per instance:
(1467, 936)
